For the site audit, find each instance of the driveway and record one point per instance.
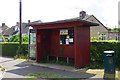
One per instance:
(19, 69)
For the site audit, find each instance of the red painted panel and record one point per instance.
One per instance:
(57, 49)
(39, 51)
(48, 40)
(82, 46)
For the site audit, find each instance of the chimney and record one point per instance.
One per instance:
(3, 24)
(17, 23)
(82, 14)
(28, 21)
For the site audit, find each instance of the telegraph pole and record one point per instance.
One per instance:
(20, 24)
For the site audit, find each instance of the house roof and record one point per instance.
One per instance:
(15, 32)
(9, 31)
(3, 28)
(60, 23)
(87, 17)
(24, 28)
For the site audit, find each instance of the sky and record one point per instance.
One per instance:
(52, 10)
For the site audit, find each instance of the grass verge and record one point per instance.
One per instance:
(2, 68)
(21, 57)
(37, 75)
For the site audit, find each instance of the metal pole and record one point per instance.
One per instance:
(20, 17)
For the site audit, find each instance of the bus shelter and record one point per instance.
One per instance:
(64, 39)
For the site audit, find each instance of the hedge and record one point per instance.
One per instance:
(97, 49)
(10, 49)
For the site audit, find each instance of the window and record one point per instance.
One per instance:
(32, 36)
(101, 36)
(32, 40)
(66, 36)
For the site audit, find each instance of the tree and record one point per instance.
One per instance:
(114, 30)
(15, 38)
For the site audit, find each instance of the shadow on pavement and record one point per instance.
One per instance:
(25, 68)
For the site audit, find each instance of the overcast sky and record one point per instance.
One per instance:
(51, 10)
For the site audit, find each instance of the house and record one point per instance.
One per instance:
(113, 35)
(3, 28)
(15, 29)
(64, 39)
(99, 32)
(9, 31)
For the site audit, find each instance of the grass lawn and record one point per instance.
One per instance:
(45, 75)
(48, 76)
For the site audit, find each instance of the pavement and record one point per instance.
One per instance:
(1, 75)
(20, 68)
(92, 73)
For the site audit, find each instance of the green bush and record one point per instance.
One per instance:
(9, 49)
(97, 49)
(21, 52)
(15, 38)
